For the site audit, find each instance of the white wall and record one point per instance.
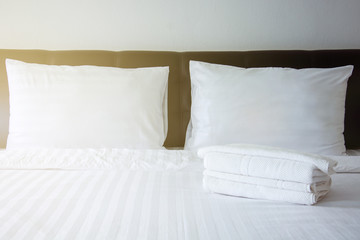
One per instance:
(179, 25)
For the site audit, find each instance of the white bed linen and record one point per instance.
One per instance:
(322, 183)
(349, 163)
(242, 189)
(136, 201)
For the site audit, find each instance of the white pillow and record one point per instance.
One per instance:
(86, 106)
(300, 109)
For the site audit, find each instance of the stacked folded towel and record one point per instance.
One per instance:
(266, 173)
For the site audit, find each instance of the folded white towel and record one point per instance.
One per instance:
(321, 183)
(239, 189)
(266, 162)
(325, 164)
(263, 167)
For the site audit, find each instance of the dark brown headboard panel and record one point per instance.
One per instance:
(179, 80)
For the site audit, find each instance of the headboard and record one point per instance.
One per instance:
(179, 80)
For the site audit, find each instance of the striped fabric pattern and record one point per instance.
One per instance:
(166, 204)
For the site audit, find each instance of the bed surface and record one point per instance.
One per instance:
(157, 195)
(145, 201)
(179, 101)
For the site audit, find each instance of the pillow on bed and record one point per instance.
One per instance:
(300, 109)
(86, 106)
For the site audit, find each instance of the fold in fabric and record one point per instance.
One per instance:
(95, 159)
(267, 162)
(263, 172)
(322, 163)
(263, 167)
(321, 184)
(246, 190)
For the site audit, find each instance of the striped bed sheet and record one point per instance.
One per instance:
(153, 195)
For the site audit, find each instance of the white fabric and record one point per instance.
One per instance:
(347, 163)
(266, 162)
(266, 173)
(152, 204)
(300, 109)
(353, 152)
(94, 159)
(241, 189)
(321, 183)
(86, 106)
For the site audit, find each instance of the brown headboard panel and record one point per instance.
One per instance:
(179, 81)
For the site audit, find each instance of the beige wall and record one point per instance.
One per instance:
(179, 24)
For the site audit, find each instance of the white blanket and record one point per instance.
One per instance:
(240, 189)
(266, 162)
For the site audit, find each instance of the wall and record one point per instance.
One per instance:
(179, 25)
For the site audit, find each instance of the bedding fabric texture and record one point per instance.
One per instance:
(86, 106)
(258, 191)
(301, 109)
(136, 201)
(323, 183)
(266, 173)
(267, 162)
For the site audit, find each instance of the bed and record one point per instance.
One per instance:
(146, 191)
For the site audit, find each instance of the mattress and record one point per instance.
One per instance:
(152, 194)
